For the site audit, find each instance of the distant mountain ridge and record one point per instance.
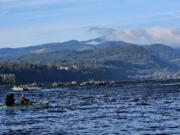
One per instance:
(165, 53)
(118, 58)
(160, 51)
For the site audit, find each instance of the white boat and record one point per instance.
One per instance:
(19, 88)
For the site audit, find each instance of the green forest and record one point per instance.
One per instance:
(78, 61)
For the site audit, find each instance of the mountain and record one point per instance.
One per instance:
(103, 60)
(50, 47)
(65, 48)
(72, 45)
(165, 53)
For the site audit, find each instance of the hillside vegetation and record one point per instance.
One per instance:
(75, 60)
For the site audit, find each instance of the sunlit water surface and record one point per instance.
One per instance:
(129, 110)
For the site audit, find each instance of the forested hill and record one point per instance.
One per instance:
(93, 59)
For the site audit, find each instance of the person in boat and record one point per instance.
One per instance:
(24, 101)
(10, 101)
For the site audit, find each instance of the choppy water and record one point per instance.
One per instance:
(128, 110)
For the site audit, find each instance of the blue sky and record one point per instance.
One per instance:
(31, 22)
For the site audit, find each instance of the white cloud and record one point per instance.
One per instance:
(168, 36)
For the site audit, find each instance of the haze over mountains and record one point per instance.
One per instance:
(100, 59)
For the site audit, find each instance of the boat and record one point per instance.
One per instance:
(37, 105)
(19, 88)
(33, 86)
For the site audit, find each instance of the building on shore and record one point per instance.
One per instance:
(7, 78)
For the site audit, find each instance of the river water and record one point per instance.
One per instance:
(142, 109)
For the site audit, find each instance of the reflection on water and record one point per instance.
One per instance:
(131, 109)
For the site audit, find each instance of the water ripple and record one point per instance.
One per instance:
(146, 109)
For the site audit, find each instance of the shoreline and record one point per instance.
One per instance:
(90, 83)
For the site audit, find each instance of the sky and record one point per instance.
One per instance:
(31, 22)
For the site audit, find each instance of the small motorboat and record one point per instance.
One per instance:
(19, 88)
(34, 86)
(36, 105)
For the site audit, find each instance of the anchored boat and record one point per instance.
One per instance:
(24, 88)
(37, 105)
(19, 88)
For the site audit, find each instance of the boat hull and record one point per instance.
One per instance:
(38, 105)
(25, 88)
(19, 89)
